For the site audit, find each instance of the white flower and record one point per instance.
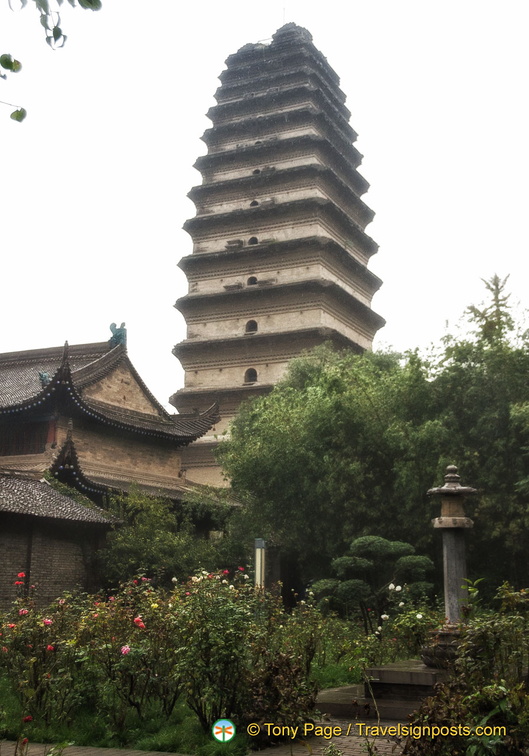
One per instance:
(384, 616)
(391, 587)
(174, 580)
(401, 603)
(419, 616)
(398, 587)
(379, 628)
(232, 588)
(225, 582)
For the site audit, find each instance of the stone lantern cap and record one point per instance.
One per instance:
(452, 486)
(452, 496)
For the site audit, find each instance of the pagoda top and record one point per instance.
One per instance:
(286, 40)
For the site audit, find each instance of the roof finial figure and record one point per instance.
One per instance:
(119, 335)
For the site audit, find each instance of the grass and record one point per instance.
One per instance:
(180, 733)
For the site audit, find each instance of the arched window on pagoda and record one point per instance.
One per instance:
(251, 326)
(250, 376)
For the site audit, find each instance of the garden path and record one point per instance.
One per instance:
(350, 745)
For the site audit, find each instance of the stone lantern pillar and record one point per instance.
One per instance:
(453, 522)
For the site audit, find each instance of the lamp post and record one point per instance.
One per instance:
(453, 522)
(260, 563)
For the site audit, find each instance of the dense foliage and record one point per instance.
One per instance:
(366, 571)
(214, 642)
(347, 446)
(488, 689)
(154, 536)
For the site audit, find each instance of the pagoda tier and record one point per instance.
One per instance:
(280, 250)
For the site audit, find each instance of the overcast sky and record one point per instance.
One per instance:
(93, 184)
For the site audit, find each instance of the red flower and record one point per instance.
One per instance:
(241, 569)
(135, 582)
(19, 582)
(11, 625)
(24, 741)
(29, 718)
(50, 648)
(21, 574)
(139, 622)
(225, 572)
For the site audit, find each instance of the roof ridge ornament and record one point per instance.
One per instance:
(65, 354)
(119, 335)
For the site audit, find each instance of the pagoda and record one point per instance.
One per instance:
(280, 252)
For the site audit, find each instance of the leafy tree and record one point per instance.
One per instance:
(371, 564)
(156, 539)
(347, 446)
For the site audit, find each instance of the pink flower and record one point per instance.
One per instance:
(47, 622)
(4, 649)
(95, 615)
(50, 648)
(187, 593)
(139, 622)
(22, 611)
(62, 601)
(12, 625)
(225, 572)
(241, 569)
(135, 582)
(125, 650)
(21, 574)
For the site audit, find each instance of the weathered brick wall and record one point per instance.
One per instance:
(56, 556)
(121, 388)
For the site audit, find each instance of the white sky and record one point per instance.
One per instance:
(93, 184)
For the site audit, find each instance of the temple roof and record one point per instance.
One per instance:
(41, 377)
(26, 496)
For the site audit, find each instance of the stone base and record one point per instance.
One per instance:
(340, 702)
(399, 688)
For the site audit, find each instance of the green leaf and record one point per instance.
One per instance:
(94, 5)
(19, 115)
(7, 62)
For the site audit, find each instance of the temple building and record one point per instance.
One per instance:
(82, 415)
(280, 252)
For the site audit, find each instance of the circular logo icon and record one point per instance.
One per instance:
(223, 730)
